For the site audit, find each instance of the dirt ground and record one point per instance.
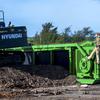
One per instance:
(42, 83)
(35, 77)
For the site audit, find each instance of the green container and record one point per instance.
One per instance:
(87, 70)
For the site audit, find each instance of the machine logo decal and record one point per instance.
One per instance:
(11, 36)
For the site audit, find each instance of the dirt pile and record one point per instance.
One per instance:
(34, 77)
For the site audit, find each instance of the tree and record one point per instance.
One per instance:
(48, 34)
(81, 35)
(36, 39)
(64, 36)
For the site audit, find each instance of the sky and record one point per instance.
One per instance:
(62, 13)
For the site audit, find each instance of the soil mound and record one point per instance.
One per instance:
(35, 76)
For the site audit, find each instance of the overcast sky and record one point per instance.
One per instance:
(62, 13)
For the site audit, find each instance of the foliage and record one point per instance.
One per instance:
(81, 35)
(50, 35)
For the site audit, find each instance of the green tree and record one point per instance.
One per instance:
(64, 36)
(81, 35)
(48, 34)
(36, 39)
(67, 35)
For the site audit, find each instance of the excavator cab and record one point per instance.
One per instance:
(11, 36)
(2, 22)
